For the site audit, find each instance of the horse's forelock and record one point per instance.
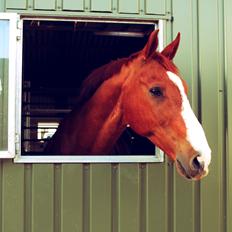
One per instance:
(165, 62)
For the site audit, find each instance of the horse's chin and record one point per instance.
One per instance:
(188, 174)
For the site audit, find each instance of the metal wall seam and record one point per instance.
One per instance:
(228, 90)
(28, 197)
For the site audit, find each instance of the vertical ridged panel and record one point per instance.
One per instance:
(156, 198)
(86, 198)
(28, 197)
(73, 5)
(42, 198)
(100, 198)
(155, 7)
(12, 197)
(57, 198)
(186, 204)
(44, 4)
(115, 198)
(2, 6)
(72, 198)
(211, 73)
(16, 4)
(143, 193)
(129, 6)
(228, 73)
(103, 5)
(129, 198)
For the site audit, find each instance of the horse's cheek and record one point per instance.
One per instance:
(164, 142)
(142, 122)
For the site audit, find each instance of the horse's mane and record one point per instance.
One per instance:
(101, 74)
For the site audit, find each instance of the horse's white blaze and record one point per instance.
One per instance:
(195, 134)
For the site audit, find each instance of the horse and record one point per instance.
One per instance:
(145, 92)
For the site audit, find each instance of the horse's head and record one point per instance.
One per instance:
(156, 106)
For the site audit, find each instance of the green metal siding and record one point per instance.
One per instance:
(2, 6)
(43, 199)
(155, 7)
(103, 5)
(143, 9)
(16, 4)
(44, 4)
(205, 48)
(228, 89)
(129, 6)
(73, 5)
(72, 198)
(186, 200)
(213, 113)
(135, 197)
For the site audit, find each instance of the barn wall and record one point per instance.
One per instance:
(2, 6)
(228, 89)
(203, 59)
(139, 8)
(134, 197)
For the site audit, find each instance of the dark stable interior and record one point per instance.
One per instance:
(57, 57)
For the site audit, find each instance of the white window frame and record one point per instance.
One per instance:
(157, 158)
(13, 33)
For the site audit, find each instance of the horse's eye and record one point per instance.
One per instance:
(156, 91)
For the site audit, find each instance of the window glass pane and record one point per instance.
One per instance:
(4, 61)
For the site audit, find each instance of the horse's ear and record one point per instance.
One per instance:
(151, 45)
(170, 50)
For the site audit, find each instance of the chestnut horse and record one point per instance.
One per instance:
(144, 91)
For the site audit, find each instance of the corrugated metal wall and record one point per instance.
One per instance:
(134, 197)
(76, 197)
(142, 8)
(202, 59)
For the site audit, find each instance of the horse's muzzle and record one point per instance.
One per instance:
(195, 170)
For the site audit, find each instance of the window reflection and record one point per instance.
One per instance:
(4, 39)
(4, 62)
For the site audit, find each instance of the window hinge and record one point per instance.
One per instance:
(19, 24)
(19, 30)
(18, 37)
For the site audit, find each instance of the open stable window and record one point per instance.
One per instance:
(57, 57)
(8, 43)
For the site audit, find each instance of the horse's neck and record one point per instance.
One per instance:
(104, 122)
(97, 126)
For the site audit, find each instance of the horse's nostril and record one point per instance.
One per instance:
(198, 164)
